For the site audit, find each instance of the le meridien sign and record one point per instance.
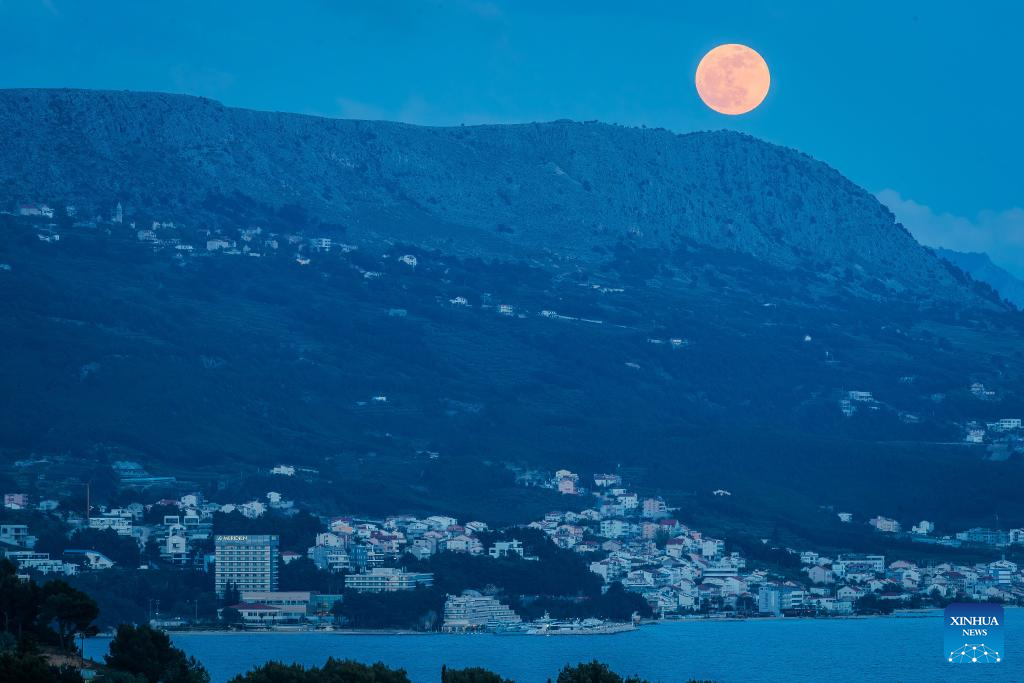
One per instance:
(232, 538)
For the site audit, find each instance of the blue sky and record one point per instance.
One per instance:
(918, 101)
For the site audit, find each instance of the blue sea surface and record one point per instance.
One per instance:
(907, 648)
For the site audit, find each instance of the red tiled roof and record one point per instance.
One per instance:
(254, 606)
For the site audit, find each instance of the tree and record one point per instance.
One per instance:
(594, 672)
(348, 671)
(26, 668)
(303, 575)
(19, 601)
(333, 671)
(123, 550)
(746, 604)
(126, 595)
(231, 594)
(66, 673)
(471, 675)
(151, 551)
(415, 609)
(148, 652)
(230, 615)
(619, 604)
(70, 609)
(870, 603)
(338, 611)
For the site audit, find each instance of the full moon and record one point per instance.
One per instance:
(732, 79)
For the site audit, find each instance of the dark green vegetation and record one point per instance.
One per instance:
(123, 550)
(473, 674)
(53, 614)
(147, 653)
(41, 622)
(344, 671)
(211, 367)
(597, 672)
(333, 671)
(135, 596)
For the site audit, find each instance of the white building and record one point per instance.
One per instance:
(923, 528)
(885, 524)
(247, 562)
(122, 524)
(388, 580)
(472, 611)
(330, 558)
(175, 549)
(614, 528)
(653, 508)
(607, 480)
(502, 549)
(850, 564)
(291, 606)
(40, 562)
(90, 559)
(17, 534)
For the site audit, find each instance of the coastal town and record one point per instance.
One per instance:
(633, 543)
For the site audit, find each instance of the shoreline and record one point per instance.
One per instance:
(924, 613)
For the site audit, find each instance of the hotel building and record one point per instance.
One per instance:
(247, 562)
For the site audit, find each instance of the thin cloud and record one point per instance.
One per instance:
(1000, 234)
(414, 109)
(203, 81)
(354, 109)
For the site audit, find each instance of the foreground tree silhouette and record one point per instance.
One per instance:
(597, 672)
(333, 671)
(593, 672)
(473, 674)
(69, 609)
(148, 653)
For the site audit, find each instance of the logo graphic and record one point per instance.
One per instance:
(974, 633)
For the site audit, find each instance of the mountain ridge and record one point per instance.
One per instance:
(565, 190)
(980, 266)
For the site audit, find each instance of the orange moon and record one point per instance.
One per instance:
(732, 79)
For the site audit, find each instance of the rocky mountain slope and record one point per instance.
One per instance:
(562, 190)
(980, 267)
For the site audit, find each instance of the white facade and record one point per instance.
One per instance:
(472, 611)
(121, 524)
